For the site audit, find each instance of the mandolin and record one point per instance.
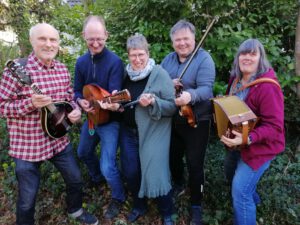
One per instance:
(93, 93)
(54, 120)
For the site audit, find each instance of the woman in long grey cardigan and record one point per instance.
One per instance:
(145, 131)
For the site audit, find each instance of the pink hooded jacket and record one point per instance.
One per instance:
(268, 137)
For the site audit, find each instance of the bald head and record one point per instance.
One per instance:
(95, 34)
(44, 39)
(41, 26)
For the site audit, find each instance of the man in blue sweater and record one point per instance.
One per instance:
(186, 140)
(102, 67)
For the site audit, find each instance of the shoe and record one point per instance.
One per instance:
(113, 209)
(196, 215)
(135, 214)
(85, 217)
(168, 220)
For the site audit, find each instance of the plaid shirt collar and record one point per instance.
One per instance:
(40, 65)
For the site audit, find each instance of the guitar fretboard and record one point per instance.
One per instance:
(50, 107)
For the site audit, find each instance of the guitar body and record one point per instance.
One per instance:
(92, 92)
(56, 124)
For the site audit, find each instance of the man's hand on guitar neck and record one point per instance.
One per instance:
(40, 101)
(110, 106)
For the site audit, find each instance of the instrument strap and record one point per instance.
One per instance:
(245, 129)
(91, 127)
(257, 81)
(245, 132)
(23, 61)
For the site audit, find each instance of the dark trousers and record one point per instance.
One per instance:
(131, 168)
(191, 143)
(230, 164)
(28, 176)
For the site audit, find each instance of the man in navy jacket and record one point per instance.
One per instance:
(102, 67)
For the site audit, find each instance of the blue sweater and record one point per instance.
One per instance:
(198, 80)
(104, 69)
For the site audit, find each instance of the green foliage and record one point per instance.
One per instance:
(4, 141)
(7, 52)
(272, 22)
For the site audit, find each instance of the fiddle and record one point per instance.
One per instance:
(185, 110)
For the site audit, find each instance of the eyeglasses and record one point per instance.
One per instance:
(140, 56)
(92, 40)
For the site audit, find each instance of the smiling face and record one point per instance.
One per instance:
(45, 42)
(95, 36)
(248, 62)
(138, 58)
(183, 43)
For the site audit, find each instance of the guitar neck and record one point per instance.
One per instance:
(119, 97)
(51, 107)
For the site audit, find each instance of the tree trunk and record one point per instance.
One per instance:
(297, 49)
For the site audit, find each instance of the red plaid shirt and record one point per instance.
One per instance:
(26, 138)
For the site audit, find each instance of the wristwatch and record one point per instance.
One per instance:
(249, 140)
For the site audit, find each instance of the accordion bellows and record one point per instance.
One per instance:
(231, 113)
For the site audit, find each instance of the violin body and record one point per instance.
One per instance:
(185, 111)
(93, 93)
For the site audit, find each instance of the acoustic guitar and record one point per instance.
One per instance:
(54, 120)
(93, 93)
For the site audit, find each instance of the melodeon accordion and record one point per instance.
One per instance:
(231, 113)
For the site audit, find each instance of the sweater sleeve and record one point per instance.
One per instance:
(116, 76)
(270, 107)
(205, 77)
(164, 105)
(78, 81)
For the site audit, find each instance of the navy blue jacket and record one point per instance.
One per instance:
(104, 69)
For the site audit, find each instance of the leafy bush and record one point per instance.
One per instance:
(273, 22)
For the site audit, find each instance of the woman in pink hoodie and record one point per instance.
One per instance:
(245, 167)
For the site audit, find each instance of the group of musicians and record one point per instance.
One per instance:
(154, 135)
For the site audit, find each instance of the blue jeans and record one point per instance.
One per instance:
(108, 135)
(244, 193)
(131, 170)
(28, 176)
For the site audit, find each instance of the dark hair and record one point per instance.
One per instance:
(93, 18)
(251, 45)
(182, 24)
(137, 41)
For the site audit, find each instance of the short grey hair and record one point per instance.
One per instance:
(137, 41)
(182, 24)
(251, 45)
(90, 18)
